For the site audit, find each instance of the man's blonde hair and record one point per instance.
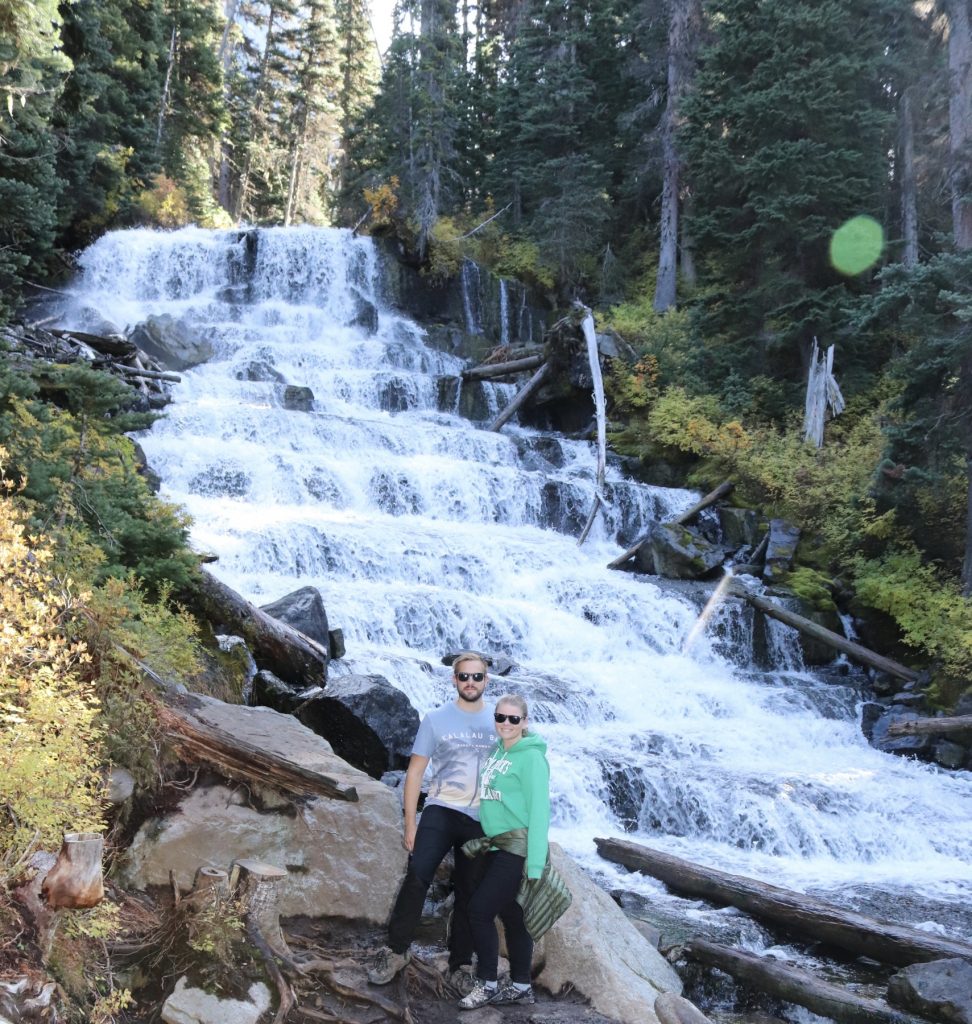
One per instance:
(469, 656)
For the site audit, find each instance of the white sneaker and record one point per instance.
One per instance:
(480, 996)
(511, 994)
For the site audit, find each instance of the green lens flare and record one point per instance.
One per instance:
(857, 245)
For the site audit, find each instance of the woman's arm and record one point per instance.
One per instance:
(536, 789)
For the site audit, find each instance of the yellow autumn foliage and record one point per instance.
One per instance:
(50, 737)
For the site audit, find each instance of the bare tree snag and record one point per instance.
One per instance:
(931, 726)
(288, 653)
(686, 517)
(76, 881)
(795, 985)
(488, 370)
(236, 758)
(883, 941)
(825, 636)
(675, 1009)
(520, 398)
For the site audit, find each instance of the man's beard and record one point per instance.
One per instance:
(470, 700)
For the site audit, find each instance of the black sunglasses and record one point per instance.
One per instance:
(476, 677)
(512, 719)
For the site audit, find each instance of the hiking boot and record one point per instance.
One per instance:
(479, 996)
(462, 979)
(387, 965)
(511, 994)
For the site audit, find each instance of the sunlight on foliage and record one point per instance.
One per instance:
(383, 200)
(50, 737)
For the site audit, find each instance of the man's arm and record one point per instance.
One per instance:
(413, 786)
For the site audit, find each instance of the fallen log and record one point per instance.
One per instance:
(883, 941)
(827, 636)
(795, 985)
(291, 655)
(132, 371)
(110, 345)
(521, 396)
(687, 516)
(931, 726)
(488, 370)
(236, 758)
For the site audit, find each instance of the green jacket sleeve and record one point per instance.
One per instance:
(536, 790)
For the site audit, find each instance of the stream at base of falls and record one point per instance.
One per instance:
(426, 534)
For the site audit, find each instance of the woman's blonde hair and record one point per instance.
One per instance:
(518, 702)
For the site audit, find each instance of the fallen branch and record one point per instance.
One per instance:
(827, 636)
(932, 726)
(687, 516)
(795, 985)
(864, 936)
(521, 396)
(132, 371)
(484, 223)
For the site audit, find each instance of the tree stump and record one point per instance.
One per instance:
(76, 881)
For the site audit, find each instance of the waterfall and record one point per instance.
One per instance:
(504, 312)
(425, 534)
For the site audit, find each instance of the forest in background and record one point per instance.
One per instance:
(684, 167)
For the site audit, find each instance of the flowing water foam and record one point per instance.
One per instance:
(425, 534)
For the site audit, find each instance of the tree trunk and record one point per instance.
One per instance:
(76, 881)
(960, 119)
(166, 87)
(488, 370)
(932, 726)
(794, 985)
(804, 915)
(198, 741)
(909, 188)
(293, 656)
(967, 560)
(683, 33)
(826, 636)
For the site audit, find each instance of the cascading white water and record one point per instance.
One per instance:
(425, 534)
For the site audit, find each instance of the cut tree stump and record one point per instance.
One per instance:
(76, 881)
(816, 919)
(795, 985)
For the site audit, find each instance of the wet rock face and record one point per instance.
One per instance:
(304, 610)
(679, 553)
(940, 990)
(783, 540)
(171, 343)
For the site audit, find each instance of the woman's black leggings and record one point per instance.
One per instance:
(496, 897)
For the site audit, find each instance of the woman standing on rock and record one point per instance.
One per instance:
(514, 807)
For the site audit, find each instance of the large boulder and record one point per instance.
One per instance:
(679, 553)
(304, 610)
(367, 721)
(914, 745)
(783, 540)
(595, 950)
(344, 859)
(940, 990)
(171, 342)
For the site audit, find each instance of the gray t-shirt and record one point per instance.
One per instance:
(456, 743)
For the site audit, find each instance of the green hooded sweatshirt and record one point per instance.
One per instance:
(514, 792)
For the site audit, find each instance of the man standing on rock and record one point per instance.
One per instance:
(454, 739)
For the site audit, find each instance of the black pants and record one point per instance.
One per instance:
(439, 830)
(496, 897)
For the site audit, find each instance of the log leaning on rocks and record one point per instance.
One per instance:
(686, 517)
(826, 636)
(931, 726)
(289, 654)
(795, 985)
(519, 399)
(883, 941)
(237, 759)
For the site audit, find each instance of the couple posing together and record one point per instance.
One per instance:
(493, 797)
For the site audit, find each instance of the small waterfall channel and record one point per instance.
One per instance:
(425, 533)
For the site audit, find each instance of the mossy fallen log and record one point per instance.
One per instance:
(883, 941)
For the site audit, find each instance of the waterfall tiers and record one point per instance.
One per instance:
(425, 533)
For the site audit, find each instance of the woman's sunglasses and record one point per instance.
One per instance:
(512, 719)
(476, 677)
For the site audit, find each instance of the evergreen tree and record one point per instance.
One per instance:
(786, 137)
